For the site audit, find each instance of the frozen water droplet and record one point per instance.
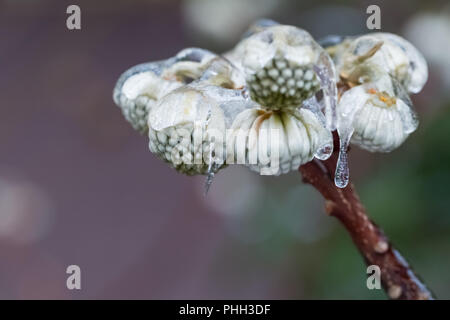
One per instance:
(211, 171)
(324, 152)
(208, 182)
(314, 106)
(210, 176)
(351, 102)
(342, 173)
(213, 166)
(405, 106)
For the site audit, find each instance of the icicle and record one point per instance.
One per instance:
(326, 73)
(208, 182)
(210, 174)
(342, 174)
(325, 151)
(212, 168)
(351, 102)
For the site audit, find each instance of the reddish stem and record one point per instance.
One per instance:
(397, 277)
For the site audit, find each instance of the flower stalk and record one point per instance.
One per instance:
(397, 277)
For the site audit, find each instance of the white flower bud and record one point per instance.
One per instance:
(378, 116)
(140, 87)
(184, 126)
(278, 62)
(369, 57)
(272, 142)
(416, 74)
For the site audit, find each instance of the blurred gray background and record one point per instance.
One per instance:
(79, 186)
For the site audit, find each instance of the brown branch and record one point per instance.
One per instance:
(397, 277)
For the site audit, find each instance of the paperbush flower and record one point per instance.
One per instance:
(187, 126)
(187, 97)
(139, 88)
(278, 63)
(296, 137)
(182, 140)
(271, 103)
(378, 71)
(367, 58)
(379, 113)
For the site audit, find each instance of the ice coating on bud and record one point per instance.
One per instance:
(417, 69)
(273, 143)
(194, 120)
(258, 26)
(378, 116)
(280, 86)
(185, 128)
(368, 57)
(376, 112)
(221, 73)
(326, 73)
(138, 90)
(282, 66)
(325, 151)
(140, 87)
